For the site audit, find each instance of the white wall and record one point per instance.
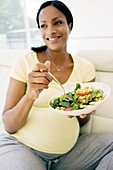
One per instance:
(93, 24)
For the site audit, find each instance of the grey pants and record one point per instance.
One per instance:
(91, 152)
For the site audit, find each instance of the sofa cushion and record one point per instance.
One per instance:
(102, 59)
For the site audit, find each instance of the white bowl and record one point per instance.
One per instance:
(98, 85)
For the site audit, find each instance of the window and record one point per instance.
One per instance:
(18, 29)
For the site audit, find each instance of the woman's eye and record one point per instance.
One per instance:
(58, 22)
(43, 26)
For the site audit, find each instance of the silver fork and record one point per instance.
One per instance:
(54, 78)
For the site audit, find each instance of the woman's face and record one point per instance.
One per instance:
(54, 28)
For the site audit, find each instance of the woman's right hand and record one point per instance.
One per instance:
(38, 79)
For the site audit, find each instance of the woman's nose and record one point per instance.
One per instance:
(51, 30)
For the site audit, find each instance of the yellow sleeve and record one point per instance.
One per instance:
(18, 70)
(90, 73)
(87, 69)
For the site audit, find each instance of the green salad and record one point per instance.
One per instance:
(79, 98)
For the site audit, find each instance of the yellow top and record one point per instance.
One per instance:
(46, 130)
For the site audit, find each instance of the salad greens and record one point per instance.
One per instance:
(79, 98)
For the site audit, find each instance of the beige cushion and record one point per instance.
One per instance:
(102, 59)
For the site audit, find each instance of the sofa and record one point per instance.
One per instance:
(102, 59)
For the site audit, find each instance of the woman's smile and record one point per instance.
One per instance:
(53, 39)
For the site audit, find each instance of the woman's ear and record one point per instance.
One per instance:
(70, 27)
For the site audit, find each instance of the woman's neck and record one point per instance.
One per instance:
(57, 57)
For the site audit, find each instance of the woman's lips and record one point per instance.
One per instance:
(53, 39)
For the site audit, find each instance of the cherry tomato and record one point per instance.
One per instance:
(68, 109)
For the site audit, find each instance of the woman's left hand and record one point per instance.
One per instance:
(82, 116)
